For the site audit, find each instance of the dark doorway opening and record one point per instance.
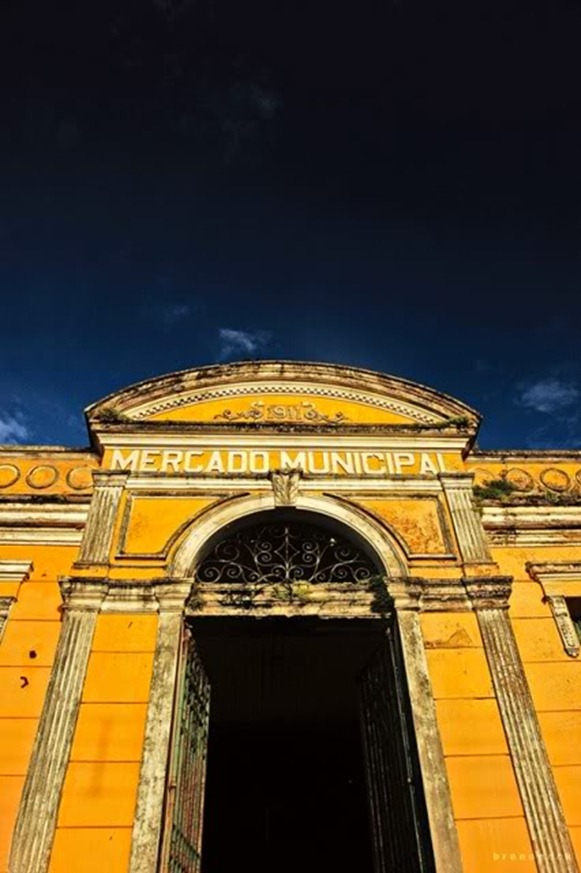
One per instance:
(285, 785)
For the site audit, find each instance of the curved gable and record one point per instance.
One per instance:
(282, 391)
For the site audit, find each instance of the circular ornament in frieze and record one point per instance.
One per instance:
(555, 480)
(481, 476)
(9, 474)
(578, 477)
(42, 476)
(520, 479)
(80, 478)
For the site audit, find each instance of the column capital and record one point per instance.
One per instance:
(428, 594)
(405, 591)
(6, 603)
(109, 478)
(456, 479)
(83, 593)
(172, 596)
(488, 592)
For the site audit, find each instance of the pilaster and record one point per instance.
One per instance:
(37, 815)
(467, 523)
(98, 532)
(406, 594)
(542, 807)
(147, 830)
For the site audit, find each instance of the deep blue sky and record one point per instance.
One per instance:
(394, 185)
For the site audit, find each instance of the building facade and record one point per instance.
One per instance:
(286, 616)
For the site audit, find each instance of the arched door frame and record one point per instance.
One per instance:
(172, 595)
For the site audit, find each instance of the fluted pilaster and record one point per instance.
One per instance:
(37, 816)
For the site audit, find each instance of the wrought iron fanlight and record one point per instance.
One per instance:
(285, 553)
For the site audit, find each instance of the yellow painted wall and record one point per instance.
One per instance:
(26, 656)
(305, 408)
(98, 801)
(485, 798)
(553, 676)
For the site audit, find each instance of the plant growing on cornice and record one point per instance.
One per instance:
(109, 415)
(454, 421)
(382, 601)
(246, 597)
(500, 490)
(292, 592)
(494, 489)
(195, 601)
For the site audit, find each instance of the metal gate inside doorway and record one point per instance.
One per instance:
(323, 665)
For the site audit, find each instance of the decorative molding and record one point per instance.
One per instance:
(428, 594)
(533, 525)
(554, 573)
(290, 389)
(557, 576)
(42, 476)
(5, 604)
(282, 412)
(9, 474)
(130, 595)
(488, 592)
(564, 622)
(98, 533)
(443, 595)
(37, 815)
(289, 377)
(203, 529)
(15, 571)
(46, 536)
(465, 519)
(148, 825)
(47, 523)
(544, 815)
(371, 485)
(285, 486)
(45, 475)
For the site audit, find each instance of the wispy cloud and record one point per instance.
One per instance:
(174, 312)
(549, 395)
(13, 429)
(556, 433)
(241, 342)
(168, 313)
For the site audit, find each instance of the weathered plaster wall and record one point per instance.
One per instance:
(26, 656)
(99, 794)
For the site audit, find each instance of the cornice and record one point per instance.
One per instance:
(552, 572)
(515, 455)
(226, 381)
(164, 434)
(15, 571)
(530, 517)
(56, 524)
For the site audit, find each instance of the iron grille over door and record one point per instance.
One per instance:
(182, 844)
(401, 840)
(283, 553)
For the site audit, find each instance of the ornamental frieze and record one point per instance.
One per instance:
(287, 412)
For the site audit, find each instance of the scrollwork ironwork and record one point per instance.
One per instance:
(283, 554)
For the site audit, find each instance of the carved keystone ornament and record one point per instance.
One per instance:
(285, 485)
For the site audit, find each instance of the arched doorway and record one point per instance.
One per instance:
(310, 750)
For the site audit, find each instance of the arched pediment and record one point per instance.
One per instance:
(283, 391)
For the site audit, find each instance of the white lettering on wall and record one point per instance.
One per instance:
(171, 460)
(120, 462)
(241, 461)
